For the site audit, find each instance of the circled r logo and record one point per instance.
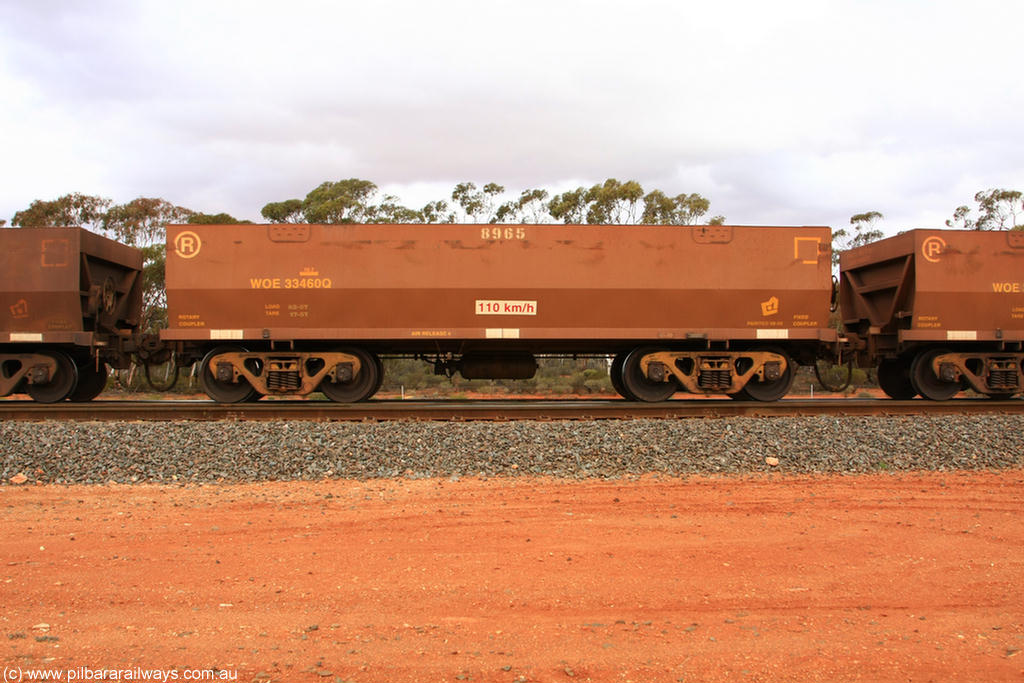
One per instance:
(932, 248)
(187, 244)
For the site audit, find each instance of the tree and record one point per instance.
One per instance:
(864, 232)
(625, 203)
(569, 207)
(142, 221)
(659, 208)
(683, 209)
(961, 218)
(530, 207)
(601, 204)
(614, 202)
(477, 205)
(342, 201)
(690, 208)
(437, 212)
(214, 219)
(288, 211)
(390, 211)
(70, 210)
(998, 210)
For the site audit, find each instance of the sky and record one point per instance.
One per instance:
(781, 113)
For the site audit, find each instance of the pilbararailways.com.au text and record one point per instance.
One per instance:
(135, 675)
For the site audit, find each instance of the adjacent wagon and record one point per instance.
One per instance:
(938, 311)
(70, 303)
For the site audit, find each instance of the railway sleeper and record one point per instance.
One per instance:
(279, 373)
(991, 373)
(720, 372)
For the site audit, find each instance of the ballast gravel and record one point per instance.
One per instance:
(184, 452)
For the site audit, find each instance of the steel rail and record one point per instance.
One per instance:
(489, 410)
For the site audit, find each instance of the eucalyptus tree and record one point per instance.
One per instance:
(997, 210)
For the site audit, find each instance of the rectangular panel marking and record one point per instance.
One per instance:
(773, 333)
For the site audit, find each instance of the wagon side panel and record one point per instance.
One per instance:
(409, 283)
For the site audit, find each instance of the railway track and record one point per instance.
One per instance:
(487, 410)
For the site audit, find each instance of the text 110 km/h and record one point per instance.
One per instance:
(500, 307)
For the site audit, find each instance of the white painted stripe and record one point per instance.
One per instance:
(772, 333)
(962, 335)
(502, 333)
(226, 334)
(26, 336)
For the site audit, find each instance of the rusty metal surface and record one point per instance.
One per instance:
(432, 286)
(489, 410)
(956, 286)
(16, 367)
(984, 372)
(284, 364)
(51, 279)
(730, 370)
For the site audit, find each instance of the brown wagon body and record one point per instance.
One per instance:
(486, 298)
(70, 302)
(938, 310)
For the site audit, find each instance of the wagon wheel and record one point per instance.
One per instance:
(615, 375)
(925, 381)
(91, 381)
(636, 385)
(770, 390)
(170, 379)
(61, 385)
(219, 391)
(894, 379)
(361, 387)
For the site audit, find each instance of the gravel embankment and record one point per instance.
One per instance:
(124, 452)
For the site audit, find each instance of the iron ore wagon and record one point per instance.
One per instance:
(938, 311)
(70, 303)
(295, 308)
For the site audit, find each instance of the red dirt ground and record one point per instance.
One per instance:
(875, 578)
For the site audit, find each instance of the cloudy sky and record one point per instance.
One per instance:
(782, 112)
